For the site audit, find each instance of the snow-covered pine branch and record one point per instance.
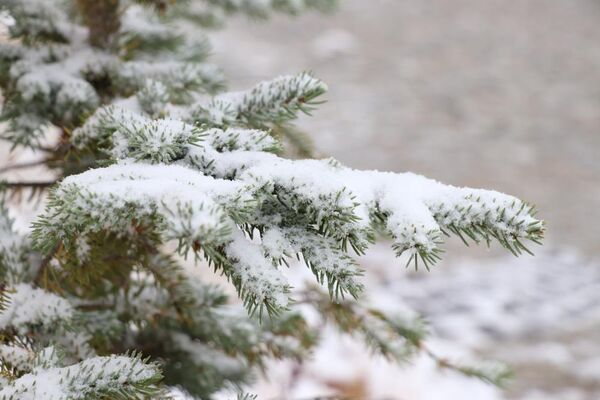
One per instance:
(15, 256)
(270, 104)
(126, 86)
(29, 306)
(117, 377)
(211, 13)
(260, 7)
(56, 78)
(186, 184)
(278, 100)
(38, 19)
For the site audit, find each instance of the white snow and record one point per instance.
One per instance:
(31, 306)
(16, 356)
(259, 275)
(80, 381)
(270, 97)
(498, 309)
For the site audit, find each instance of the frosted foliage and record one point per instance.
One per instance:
(264, 7)
(153, 97)
(190, 204)
(160, 140)
(16, 356)
(40, 77)
(55, 81)
(325, 258)
(310, 207)
(322, 254)
(15, 259)
(139, 22)
(268, 100)
(175, 75)
(29, 306)
(275, 100)
(41, 16)
(241, 139)
(48, 81)
(8, 238)
(257, 274)
(48, 357)
(104, 122)
(111, 375)
(175, 166)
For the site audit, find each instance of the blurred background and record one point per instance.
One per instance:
(493, 94)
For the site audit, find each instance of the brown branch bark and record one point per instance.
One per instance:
(34, 185)
(102, 18)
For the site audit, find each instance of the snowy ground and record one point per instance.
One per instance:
(540, 315)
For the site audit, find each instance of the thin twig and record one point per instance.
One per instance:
(46, 149)
(41, 273)
(94, 307)
(34, 185)
(22, 165)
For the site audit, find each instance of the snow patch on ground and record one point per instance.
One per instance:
(532, 312)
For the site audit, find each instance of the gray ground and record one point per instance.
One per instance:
(484, 93)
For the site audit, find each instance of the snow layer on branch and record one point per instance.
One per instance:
(262, 8)
(103, 123)
(38, 17)
(161, 140)
(309, 207)
(257, 274)
(92, 378)
(324, 257)
(29, 306)
(190, 206)
(16, 258)
(47, 81)
(241, 139)
(138, 23)
(16, 356)
(415, 210)
(274, 100)
(129, 181)
(153, 97)
(177, 76)
(9, 239)
(51, 83)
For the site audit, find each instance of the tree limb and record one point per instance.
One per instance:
(22, 165)
(34, 185)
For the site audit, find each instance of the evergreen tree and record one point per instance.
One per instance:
(157, 162)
